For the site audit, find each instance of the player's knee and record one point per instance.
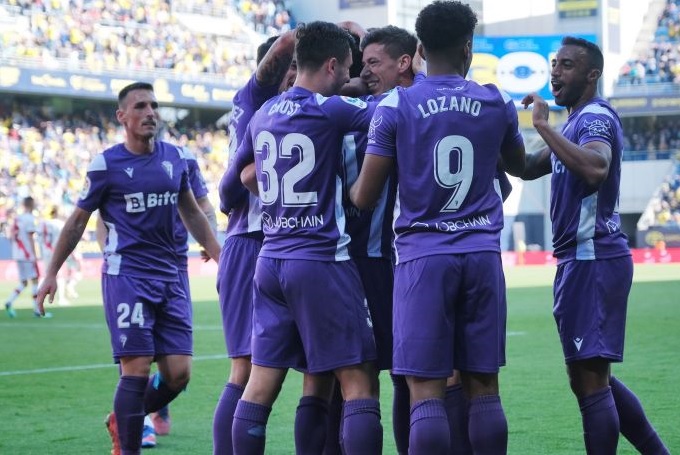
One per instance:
(358, 381)
(240, 371)
(178, 380)
(588, 376)
(479, 384)
(318, 385)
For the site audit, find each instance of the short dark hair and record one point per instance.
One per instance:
(264, 47)
(443, 25)
(595, 58)
(397, 41)
(318, 41)
(357, 55)
(132, 87)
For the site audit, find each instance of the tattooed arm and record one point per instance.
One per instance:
(353, 27)
(276, 61)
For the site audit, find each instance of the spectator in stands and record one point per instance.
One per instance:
(118, 36)
(667, 204)
(660, 63)
(47, 155)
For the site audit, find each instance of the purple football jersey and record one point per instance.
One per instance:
(137, 199)
(296, 143)
(370, 230)
(585, 221)
(246, 216)
(446, 135)
(200, 189)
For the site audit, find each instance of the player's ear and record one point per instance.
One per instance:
(594, 74)
(467, 50)
(331, 65)
(119, 116)
(405, 63)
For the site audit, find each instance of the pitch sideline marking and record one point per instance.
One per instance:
(95, 366)
(98, 366)
(96, 326)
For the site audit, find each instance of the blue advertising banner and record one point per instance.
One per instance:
(95, 86)
(518, 64)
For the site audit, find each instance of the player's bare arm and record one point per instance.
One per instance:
(369, 186)
(353, 27)
(354, 88)
(197, 224)
(537, 164)
(277, 60)
(73, 230)
(590, 162)
(249, 179)
(418, 63)
(206, 207)
(100, 233)
(514, 160)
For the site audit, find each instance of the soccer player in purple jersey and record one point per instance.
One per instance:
(275, 73)
(158, 423)
(387, 59)
(309, 310)
(139, 186)
(445, 136)
(594, 265)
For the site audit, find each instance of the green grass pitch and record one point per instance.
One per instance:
(57, 379)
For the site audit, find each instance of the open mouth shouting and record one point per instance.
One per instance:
(556, 87)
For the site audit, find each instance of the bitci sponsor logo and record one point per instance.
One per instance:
(139, 202)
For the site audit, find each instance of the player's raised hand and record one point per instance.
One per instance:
(418, 63)
(47, 288)
(541, 110)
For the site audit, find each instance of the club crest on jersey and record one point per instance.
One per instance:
(598, 127)
(354, 102)
(375, 123)
(167, 165)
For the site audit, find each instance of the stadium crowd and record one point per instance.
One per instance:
(666, 204)
(266, 16)
(661, 63)
(113, 35)
(48, 155)
(651, 137)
